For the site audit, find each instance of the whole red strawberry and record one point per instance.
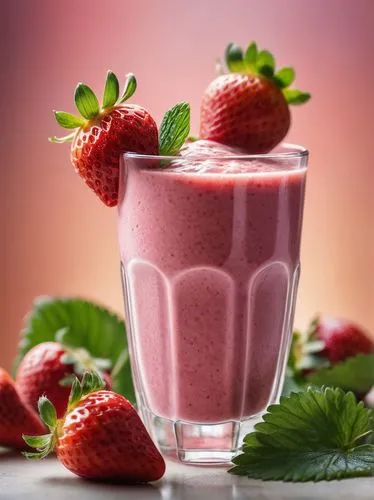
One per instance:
(341, 339)
(248, 107)
(100, 437)
(48, 369)
(103, 133)
(16, 418)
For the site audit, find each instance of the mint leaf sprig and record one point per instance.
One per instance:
(174, 129)
(315, 435)
(262, 62)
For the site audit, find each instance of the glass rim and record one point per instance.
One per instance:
(293, 151)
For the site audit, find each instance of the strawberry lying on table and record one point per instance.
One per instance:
(16, 418)
(100, 436)
(49, 368)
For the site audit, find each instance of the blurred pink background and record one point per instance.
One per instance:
(57, 238)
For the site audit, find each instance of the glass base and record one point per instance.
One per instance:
(211, 444)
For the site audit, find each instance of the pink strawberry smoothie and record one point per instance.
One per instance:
(210, 253)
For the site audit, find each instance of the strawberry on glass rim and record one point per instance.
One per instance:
(249, 106)
(103, 132)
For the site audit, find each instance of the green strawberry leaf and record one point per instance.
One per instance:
(43, 444)
(265, 63)
(234, 58)
(174, 129)
(37, 441)
(310, 436)
(250, 56)
(91, 382)
(47, 412)
(67, 120)
(111, 90)
(89, 325)
(86, 101)
(294, 96)
(130, 87)
(75, 393)
(354, 374)
(284, 77)
(68, 380)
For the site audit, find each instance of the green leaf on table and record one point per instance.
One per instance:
(89, 325)
(310, 436)
(354, 374)
(174, 129)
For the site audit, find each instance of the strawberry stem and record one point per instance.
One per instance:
(91, 382)
(61, 140)
(262, 63)
(45, 444)
(89, 107)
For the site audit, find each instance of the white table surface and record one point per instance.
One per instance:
(23, 480)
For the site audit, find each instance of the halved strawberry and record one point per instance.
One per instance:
(100, 437)
(248, 107)
(103, 133)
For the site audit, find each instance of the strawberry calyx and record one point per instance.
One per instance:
(262, 63)
(88, 105)
(305, 353)
(79, 358)
(45, 444)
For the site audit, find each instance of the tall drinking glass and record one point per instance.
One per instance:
(210, 265)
